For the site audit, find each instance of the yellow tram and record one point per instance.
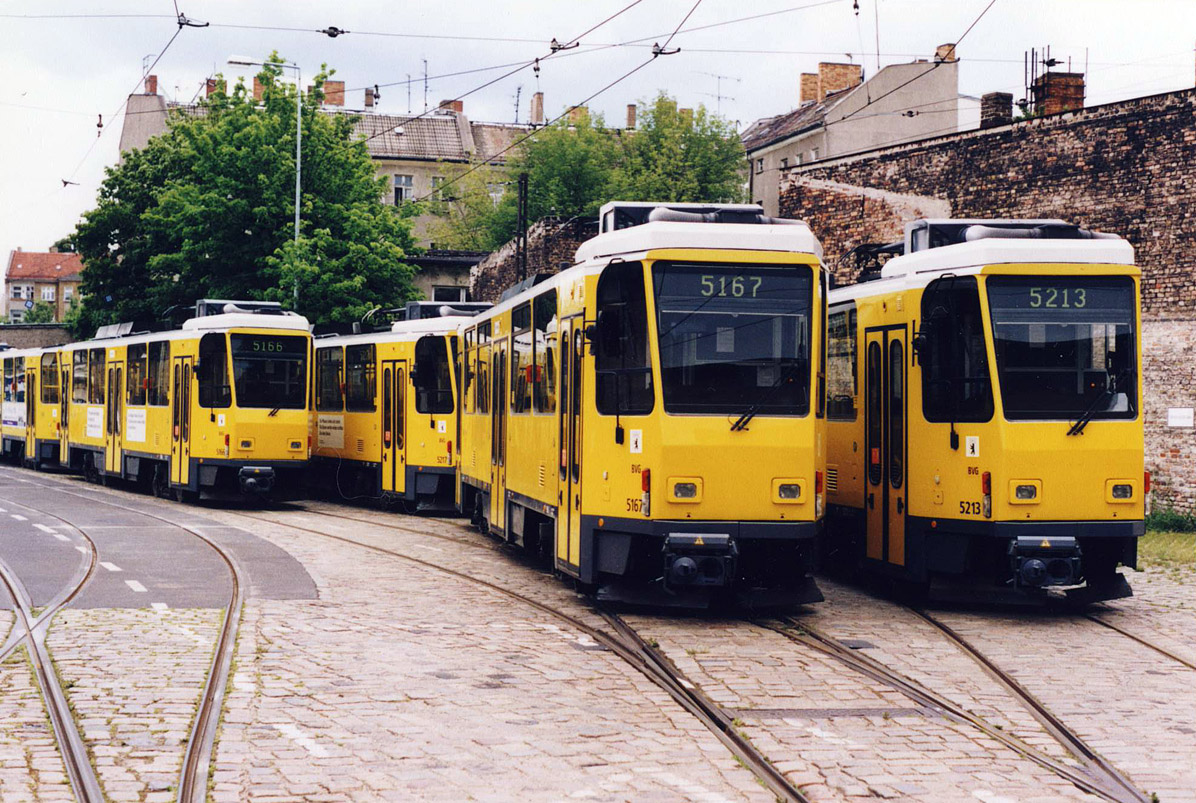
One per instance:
(984, 405)
(385, 416)
(652, 417)
(29, 423)
(218, 407)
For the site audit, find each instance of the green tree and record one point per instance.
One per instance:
(206, 210)
(40, 312)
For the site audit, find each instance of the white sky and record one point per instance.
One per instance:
(60, 74)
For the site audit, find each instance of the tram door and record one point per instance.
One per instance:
(569, 511)
(31, 391)
(885, 497)
(394, 426)
(180, 419)
(115, 417)
(64, 406)
(500, 398)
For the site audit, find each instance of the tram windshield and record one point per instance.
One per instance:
(1064, 346)
(270, 370)
(734, 338)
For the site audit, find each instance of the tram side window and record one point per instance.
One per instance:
(841, 371)
(544, 354)
(328, 379)
(9, 384)
(623, 367)
(158, 374)
(79, 377)
(951, 350)
(433, 383)
(19, 380)
(138, 375)
(521, 359)
(212, 371)
(483, 370)
(95, 377)
(361, 378)
(820, 406)
(469, 375)
(50, 378)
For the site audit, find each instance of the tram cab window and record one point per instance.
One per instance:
(79, 377)
(138, 380)
(544, 358)
(521, 359)
(157, 392)
(735, 339)
(951, 350)
(433, 376)
(482, 370)
(95, 376)
(9, 384)
(18, 380)
(1064, 346)
(468, 372)
(270, 371)
(361, 379)
(841, 382)
(329, 362)
(49, 370)
(212, 371)
(622, 356)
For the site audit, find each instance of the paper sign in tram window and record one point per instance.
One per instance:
(1178, 417)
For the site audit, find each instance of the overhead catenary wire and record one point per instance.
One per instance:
(656, 52)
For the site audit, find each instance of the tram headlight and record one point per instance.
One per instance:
(789, 490)
(685, 490)
(1123, 491)
(1025, 492)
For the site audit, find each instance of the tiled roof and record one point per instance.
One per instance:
(768, 130)
(437, 136)
(44, 267)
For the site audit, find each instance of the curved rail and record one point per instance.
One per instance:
(74, 752)
(1145, 642)
(629, 647)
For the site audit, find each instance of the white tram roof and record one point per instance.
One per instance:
(793, 237)
(248, 320)
(400, 331)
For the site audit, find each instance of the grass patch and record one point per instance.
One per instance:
(1167, 549)
(1166, 520)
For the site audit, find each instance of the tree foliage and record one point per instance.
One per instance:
(40, 312)
(207, 210)
(575, 166)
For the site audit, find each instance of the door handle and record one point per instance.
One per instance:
(871, 501)
(900, 505)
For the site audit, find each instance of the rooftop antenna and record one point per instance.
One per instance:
(425, 84)
(518, 92)
(719, 96)
(409, 93)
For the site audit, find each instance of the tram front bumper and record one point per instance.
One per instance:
(699, 560)
(1039, 562)
(256, 480)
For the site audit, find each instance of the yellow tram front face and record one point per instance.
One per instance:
(734, 432)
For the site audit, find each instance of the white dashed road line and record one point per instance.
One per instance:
(136, 586)
(18, 517)
(112, 567)
(60, 536)
(159, 606)
(44, 528)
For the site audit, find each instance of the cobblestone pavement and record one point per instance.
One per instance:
(1163, 609)
(31, 767)
(402, 683)
(133, 678)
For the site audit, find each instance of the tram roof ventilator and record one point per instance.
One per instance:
(634, 226)
(242, 309)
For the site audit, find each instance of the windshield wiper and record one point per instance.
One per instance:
(1110, 390)
(742, 422)
(273, 412)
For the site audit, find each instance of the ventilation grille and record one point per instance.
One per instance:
(832, 480)
(541, 475)
(360, 445)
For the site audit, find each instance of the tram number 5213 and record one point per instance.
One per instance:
(1054, 298)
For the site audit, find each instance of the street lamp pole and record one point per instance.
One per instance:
(241, 61)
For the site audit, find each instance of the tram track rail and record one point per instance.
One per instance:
(1145, 642)
(75, 758)
(623, 642)
(193, 776)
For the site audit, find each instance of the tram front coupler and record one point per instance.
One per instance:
(1041, 561)
(256, 480)
(695, 560)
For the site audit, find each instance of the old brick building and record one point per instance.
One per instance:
(1126, 167)
(33, 276)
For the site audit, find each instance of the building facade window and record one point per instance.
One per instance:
(404, 188)
(759, 165)
(47, 294)
(784, 162)
(17, 315)
(68, 295)
(17, 290)
(449, 294)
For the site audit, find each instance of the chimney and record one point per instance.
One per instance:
(834, 77)
(1057, 92)
(996, 109)
(258, 88)
(537, 115)
(577, 114)
(334, 93)
(945, 53)
(631, 116)
(809, 87)
(211, 86)
(151, 84)
(457, 106)
(369, 99)
(687, 116)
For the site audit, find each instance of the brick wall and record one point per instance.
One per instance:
(34, 335)
(1127, 168)
(549, 244)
